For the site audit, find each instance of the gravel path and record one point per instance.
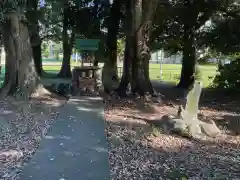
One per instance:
(21, 127)
(75, 146)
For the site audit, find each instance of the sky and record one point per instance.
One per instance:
(41, 3)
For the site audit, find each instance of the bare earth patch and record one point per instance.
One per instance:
(22, 125)
(137, 150)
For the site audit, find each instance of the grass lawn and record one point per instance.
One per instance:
(170, 72)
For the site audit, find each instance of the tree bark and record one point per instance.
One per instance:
(128, 52)
(189, 59)
(127, 66)
(67, 45)
(143, 14)
(37, 56)
(113, 27)
(21, 76)
(110, 75)
(189, 46)
(66, 63)
(1, 44)
(137, 52)
(32, 17)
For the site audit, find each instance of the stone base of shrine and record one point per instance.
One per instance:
(85, 81)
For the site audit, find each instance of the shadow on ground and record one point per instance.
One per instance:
(215, 104)
(134, 103)
(67, 144)
(22, 125)
(74, 146)
(141, 155)
(230, 123)
(139, 150)
(216, 99)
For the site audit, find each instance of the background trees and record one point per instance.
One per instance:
(185, 24)
(141, 26)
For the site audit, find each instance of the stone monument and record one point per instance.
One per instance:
(187, 123)
(191, 108)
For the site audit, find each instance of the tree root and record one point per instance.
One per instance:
(4, 91)
(41, 91)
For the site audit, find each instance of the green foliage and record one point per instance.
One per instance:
(45, 49)
(234, 56)
(198, 74)
(228, 76)
(204, 60)
(172, 16)
(120, 47)
(11, 5)
(223, 33)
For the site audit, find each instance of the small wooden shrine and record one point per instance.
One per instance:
(84, 77)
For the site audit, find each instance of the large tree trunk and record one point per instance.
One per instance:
(110, 75)
(32, 17)
(189, 49)
(113, 27)
(66, 63)
(137, 53)
(143, 14)
(0, 59)
(67, 45)
(127, 66)
(189, 59)
(128, 52)
(21, 76)
(37, 56)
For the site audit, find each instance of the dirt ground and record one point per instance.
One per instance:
(137, 150)
(22, 125)
(141, 151)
